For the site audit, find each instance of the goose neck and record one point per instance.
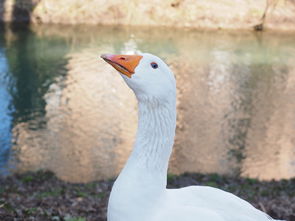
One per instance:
(155, 135)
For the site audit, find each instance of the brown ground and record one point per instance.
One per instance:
(41, 196)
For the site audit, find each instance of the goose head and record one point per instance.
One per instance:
(146, 74)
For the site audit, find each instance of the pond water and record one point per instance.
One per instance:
(63, 109)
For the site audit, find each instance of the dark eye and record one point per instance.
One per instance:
(154, 65)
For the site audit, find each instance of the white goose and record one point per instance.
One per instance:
(139, 193)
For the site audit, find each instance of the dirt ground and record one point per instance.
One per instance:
(41, 196)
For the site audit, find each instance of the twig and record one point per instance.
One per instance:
(262, 207)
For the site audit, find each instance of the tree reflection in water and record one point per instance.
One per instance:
(75, 117)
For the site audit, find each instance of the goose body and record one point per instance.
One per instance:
(140, 193)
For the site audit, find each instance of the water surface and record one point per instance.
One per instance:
(63, 109)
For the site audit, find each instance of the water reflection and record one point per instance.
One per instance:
(75, 116)
(6, 110)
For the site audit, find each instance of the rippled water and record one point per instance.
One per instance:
(63, 109)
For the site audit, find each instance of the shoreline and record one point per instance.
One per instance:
(211, 14)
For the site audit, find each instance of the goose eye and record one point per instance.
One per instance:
(154, 65)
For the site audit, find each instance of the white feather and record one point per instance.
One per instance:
(139, 193)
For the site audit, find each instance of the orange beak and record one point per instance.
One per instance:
(125, 64)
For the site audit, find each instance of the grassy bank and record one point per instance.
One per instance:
(41, 196)
(215, 14)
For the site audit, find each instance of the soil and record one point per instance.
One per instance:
(42, 196)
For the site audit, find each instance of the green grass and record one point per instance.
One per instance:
(170, 177)
(30, 211)
(75, 219)
(27, 179)
(82, 194)
(53, 193)
(100, 195)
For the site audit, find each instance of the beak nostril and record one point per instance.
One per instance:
(122, 58)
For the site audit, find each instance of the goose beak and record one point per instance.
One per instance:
(125, 64)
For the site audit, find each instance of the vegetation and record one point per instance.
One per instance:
(41, 196)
